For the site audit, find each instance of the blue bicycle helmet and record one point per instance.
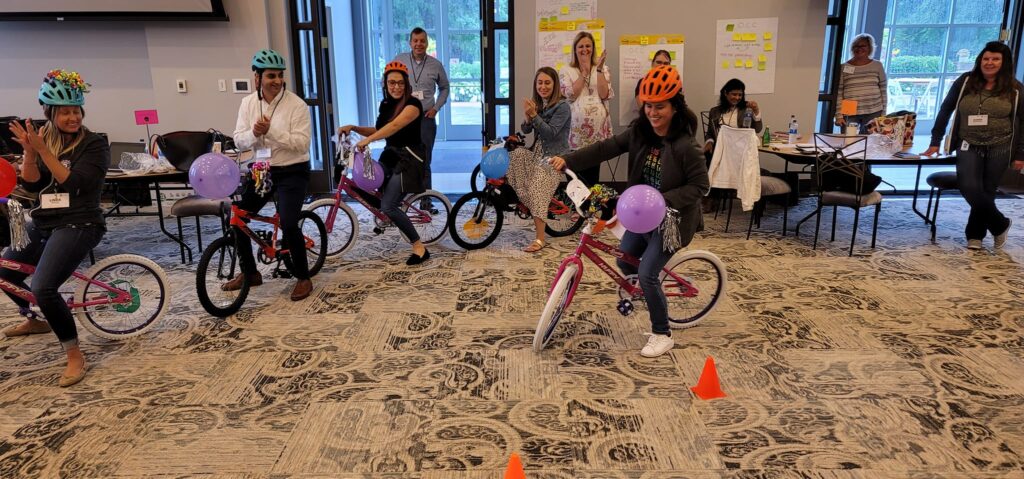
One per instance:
(62, 88)
(268, 59)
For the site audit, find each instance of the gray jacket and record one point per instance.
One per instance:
(552, 127)
(684, 176)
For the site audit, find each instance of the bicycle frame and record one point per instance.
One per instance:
(585, 249)
(119, 296)
(347, 186)
(238, 217)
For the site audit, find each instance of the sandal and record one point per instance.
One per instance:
(536, 246)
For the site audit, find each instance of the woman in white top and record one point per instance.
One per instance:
(587, 83)
(862, 80)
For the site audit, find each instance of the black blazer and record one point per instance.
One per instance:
(684, 176)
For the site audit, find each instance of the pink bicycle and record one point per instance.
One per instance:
(693, 281)
(117, 298)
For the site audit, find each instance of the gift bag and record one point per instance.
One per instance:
(898, 126)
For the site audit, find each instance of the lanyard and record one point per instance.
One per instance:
(416, 77)
(280, 96)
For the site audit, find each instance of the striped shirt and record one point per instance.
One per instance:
(866, 84)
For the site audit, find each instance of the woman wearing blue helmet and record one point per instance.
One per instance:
(65, 163)
(274, 122)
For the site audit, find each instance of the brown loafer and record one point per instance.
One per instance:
(66, 381)
(236, 283)
(27, 327)
(302, 290)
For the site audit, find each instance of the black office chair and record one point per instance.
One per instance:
(842, 156)
(181, 148)
(939, 181)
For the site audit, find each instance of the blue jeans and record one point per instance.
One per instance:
(978, 171)
(653, 259)
(289, 184)
(391, 205)
(56, 254)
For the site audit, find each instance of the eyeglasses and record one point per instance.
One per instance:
(662, 62)
(396, 83)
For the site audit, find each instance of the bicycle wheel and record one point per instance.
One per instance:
(430, 226)
(219, 265)
(477, 180)
(562, 219)
(313, 229)
(343, 231)
(694, 287)
(475, 221)
(558, 300)
(143, 279)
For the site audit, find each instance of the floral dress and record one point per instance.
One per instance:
(591, 120)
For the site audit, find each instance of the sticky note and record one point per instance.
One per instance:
(566, 49)
(729, 27)
(750, 64)
(761, 66)
(750, 37)
(672, 55)
(725, 65)
(644, 40)
(767, 35)
(768, 46)
(565, 10)
(559, 65)
(571, 26)
(736, 37)
(848, 107)
(738, 64)
(597, 35)
(762, 59)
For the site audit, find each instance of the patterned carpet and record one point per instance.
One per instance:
(902, 362)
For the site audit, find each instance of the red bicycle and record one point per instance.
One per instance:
(693, 281)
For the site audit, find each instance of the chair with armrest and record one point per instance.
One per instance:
(841, 168)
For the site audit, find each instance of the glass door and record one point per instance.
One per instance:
(310, 59)
(462, 118)
(498, 69)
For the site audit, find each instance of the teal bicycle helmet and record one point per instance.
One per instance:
(62, 88)
(268, 59)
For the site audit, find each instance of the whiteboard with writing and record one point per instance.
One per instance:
(566, 9)
(745, 49)
(634, 62)
(554, 48)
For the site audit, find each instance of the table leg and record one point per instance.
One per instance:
(160, 214)
(913, 204)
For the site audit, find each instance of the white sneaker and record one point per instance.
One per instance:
(657, 344)
(974, 244)
(1001, 237)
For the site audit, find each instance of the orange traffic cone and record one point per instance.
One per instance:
(515, 468)
(707, 386)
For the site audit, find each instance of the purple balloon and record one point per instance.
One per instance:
(641, 208)
(214, 176)
(376, 176)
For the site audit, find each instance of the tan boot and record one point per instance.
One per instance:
(29, 326)
(236, 283)
(302, 290)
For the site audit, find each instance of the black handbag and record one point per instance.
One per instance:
(181, 148)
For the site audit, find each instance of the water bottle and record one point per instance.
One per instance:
(793, 128)
(748, 119)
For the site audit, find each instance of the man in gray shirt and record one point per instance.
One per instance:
(427, 75)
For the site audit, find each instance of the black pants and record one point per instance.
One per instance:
(978, 171)
(56, 254)
(289, 184)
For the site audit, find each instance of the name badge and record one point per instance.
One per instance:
(849, 69)
(418, 94)
(263, 153)
(977, 120)
(964, 146)
(55, 200)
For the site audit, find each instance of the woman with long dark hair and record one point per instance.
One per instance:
(398, 121)
(987, 106)
(663, 154)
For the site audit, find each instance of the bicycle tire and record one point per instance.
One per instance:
(222, 250)
(561, 222)
(316, 253)
(150, 289)
(558, 300)
(431, 232)
(342, 234)
(706, 274)
(477, 180)
(476, 210)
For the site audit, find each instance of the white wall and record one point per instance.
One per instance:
(134, 65)
(800, 44)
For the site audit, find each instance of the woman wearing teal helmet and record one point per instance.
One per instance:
(275, 123)
(65, 163)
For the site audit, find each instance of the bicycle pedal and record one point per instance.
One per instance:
(625, 307)
(377, 230)
(283, 274)
(28, 313)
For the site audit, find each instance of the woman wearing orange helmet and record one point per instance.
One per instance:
(663, 154)
(398, 121)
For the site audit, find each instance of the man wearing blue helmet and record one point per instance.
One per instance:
(65, 163)
(275, 123)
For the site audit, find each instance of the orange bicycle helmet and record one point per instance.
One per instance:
(395, 66)
(660, 84)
